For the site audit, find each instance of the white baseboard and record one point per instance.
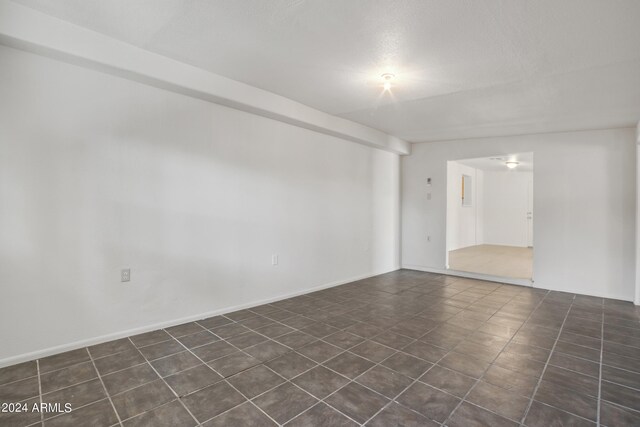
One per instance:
(520, 282)
(487, 277)
(38, 354)
(579, 291)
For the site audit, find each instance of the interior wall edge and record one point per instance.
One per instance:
(520, 134)
(637, 295)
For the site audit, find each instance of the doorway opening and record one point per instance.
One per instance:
(490, 216)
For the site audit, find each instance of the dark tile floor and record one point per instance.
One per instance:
(401, 349)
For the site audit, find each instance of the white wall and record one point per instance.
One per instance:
(637, 296)
(584, 202)
(464, 223)
(98, 173)
(505, 207)
(497, 215)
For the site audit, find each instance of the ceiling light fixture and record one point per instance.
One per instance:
(512, 164)
(387, 77)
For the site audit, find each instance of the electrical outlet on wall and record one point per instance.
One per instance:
(428, 238)
(274, 259)
(125, 275)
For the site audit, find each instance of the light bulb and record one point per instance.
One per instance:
(512, 164)
(387, 77)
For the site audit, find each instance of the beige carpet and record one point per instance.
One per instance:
(496, 260)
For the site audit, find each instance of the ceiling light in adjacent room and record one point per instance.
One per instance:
(512, 164)
(387, 77)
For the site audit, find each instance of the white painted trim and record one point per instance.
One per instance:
(580, 291)
(33, 31)
(148, 328)
(519, 282)
(487, 277)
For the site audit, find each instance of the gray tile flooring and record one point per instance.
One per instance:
(401, 349)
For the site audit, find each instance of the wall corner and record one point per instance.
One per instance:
(637, 284)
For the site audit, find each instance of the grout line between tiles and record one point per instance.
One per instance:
(330, 303)
(58, 415)
(167, 385)
(72, 385)
(21, 379)
(464, 398)
(535, 390)
(349, 380)
(323, 400)
(223, 379)
(105, 388)
(590, 423)
(600, 371)
(440, 359)
(40, 390)
(317, 364)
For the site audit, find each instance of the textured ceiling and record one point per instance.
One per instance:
(465, 68)
(497, 163)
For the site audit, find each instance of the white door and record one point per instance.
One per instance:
(530, 214)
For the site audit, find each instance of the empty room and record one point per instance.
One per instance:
(319, 213)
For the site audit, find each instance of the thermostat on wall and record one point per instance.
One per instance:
(429, 181)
